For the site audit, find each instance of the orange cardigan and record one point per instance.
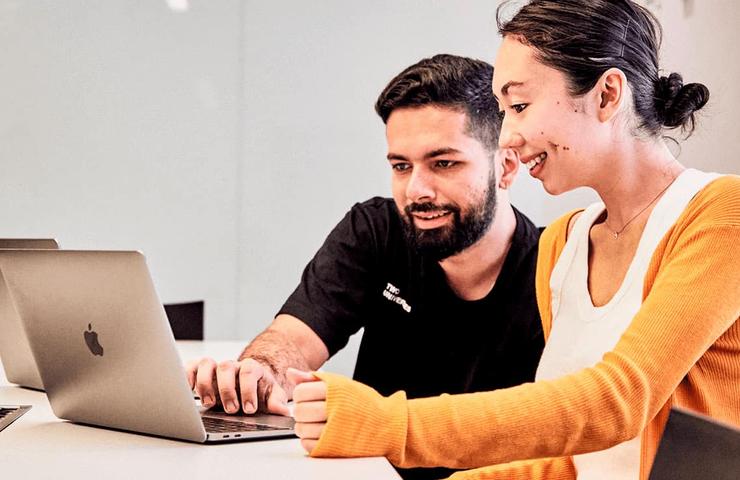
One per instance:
(682, 348)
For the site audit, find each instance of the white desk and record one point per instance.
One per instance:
(40, 446)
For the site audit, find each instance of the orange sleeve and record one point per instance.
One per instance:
(560, 468)
(376, 427)
(551, 245)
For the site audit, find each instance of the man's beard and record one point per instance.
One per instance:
(449, 240)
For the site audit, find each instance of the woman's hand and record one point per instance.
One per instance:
(309, 412)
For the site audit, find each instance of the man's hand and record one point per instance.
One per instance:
(257, 381)
(309, 396)
(248, 385)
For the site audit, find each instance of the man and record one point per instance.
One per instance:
(441, 277)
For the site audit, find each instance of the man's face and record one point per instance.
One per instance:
(443, 180)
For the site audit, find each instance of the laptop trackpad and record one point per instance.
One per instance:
(261, 418)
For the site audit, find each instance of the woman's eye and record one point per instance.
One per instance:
(519, 107)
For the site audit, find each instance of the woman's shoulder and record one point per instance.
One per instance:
(723, 185)
(556, 233)
(717, 203)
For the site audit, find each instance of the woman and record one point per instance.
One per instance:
(639, 295)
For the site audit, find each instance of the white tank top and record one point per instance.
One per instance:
(582, 333)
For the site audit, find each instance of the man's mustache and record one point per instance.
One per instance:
(429, 207)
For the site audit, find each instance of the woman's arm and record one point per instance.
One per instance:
(560, 468)
(695, 298)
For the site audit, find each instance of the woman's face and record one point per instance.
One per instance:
(556, 135)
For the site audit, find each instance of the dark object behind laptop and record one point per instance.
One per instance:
(695, 447)
(186, 319)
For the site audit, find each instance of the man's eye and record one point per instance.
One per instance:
(445, 163)
(519, 107)
(400, 167)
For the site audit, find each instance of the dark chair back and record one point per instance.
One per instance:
(186, 319)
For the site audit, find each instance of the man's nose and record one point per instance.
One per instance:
(420, 187)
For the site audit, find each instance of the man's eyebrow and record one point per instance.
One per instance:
(395, 156)
(438, 152)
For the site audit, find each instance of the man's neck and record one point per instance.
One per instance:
(472, 273)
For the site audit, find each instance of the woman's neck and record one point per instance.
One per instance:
(633, 180)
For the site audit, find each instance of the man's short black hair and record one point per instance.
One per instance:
(459, 83)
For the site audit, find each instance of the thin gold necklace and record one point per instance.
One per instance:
(617, 233)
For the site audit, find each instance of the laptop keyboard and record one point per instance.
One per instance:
(221, 425)
(11, 413)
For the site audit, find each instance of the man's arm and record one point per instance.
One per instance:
(258, 377)
(331, 297)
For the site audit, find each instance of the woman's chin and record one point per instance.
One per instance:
(554, 189)
(551, 189)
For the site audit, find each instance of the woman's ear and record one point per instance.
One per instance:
(610, 90)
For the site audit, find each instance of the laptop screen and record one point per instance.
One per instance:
(697, 447)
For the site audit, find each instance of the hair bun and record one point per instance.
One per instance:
(676, 103)
(668, 87)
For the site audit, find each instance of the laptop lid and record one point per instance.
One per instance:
(20, 367)
(697, 447)
(103, 345)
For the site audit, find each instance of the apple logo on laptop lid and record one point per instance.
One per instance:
(91, 339)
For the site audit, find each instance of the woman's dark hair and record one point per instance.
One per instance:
(459, 83)
(584, 38)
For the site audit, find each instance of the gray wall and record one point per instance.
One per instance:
(119, 129)
(227, 139)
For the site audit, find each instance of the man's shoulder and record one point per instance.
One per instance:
(373, 223)
(376, 206)
(527, 234)
(377, 213)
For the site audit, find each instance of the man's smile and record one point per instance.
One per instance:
(432, 219)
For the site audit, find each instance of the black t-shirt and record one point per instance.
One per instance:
(419, 336)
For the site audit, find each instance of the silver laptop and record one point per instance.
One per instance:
(34, 243)
(20, 367)
(105, 350)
